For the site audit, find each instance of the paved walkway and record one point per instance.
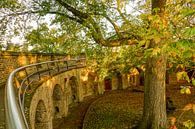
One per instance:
(2, 108)
(76, 114)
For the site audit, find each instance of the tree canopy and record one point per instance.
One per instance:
(81, 25)
(114, 34)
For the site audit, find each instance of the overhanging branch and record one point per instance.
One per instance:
(73, 10)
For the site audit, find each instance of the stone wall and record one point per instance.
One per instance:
(43, 116)
(54, 97)
(12, 60)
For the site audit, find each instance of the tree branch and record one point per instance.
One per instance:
(87, 21)
(42, 11)
(73, 10)
(116, 28)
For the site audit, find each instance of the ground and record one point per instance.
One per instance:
(115, 110)
(123, 109)
(181, 101)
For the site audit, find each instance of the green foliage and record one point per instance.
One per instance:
(181, 52)
(53, 40)
(189, 32)
(43, 40)
(11, 4)
(189, 124)
(182, 76)
(193, 81)
(185, 90)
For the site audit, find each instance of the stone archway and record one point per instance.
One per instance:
(119, 81)
(58, 103)
(41, 117)
(73, 84)
(141, 77)
(107, 83)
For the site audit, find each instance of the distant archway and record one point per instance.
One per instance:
(107, 83)
(119, 80)
(141, 76)
(191, 73)
(41, 116)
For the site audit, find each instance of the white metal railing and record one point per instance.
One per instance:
(17, 85)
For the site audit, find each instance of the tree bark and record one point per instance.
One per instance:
(154, 111)
(154, 115)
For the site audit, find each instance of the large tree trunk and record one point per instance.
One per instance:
(154, 112)
(154, 115)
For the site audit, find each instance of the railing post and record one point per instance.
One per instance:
(38, 72)
(48, 69)
(67, 65)
(58, 67)
(26, 76)
(77, 63)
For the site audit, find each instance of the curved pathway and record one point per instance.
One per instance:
(77, 111)
(76, 114)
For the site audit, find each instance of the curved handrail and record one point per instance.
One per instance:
(14, 112)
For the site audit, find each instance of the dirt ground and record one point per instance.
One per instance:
(123, 109)
(183, 103)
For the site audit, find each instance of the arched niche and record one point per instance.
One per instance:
(73, 84)
(65, 83)
(119, 80)
(107, 83)
(41, 116)
(141, 77)
(57, 102)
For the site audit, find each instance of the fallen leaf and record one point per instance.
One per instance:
(188, 107)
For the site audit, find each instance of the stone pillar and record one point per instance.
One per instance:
(101, 88)
(137, 80)
(125, 81)
(114, 83)
(80, 88)
(65, 104)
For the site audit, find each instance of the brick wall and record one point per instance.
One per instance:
(12, 60)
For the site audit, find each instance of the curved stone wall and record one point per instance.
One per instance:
(57, 93)
(12, 60)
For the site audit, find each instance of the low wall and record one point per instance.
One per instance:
(12, 60)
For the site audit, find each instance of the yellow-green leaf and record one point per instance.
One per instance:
(193, 81)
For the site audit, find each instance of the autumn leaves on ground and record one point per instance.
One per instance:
(123, 109)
